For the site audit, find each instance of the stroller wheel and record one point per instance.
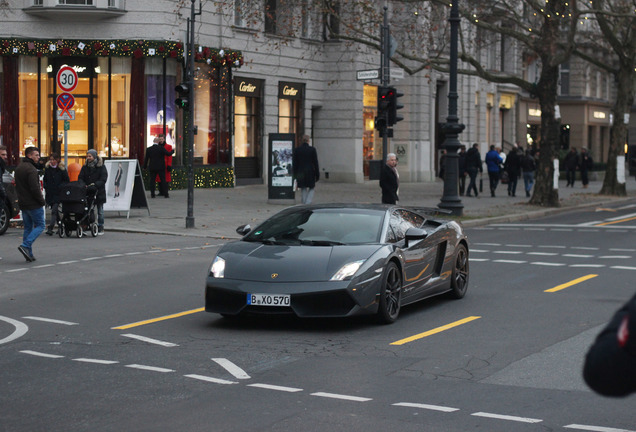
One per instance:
(60, 231)
(80, 231)
(94, 230)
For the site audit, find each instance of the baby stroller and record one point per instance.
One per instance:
(78, 210)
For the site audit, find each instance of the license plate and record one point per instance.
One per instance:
(269, 299)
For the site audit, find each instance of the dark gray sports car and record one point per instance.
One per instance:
(336, 260)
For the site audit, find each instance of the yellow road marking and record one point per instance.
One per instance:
(616, 221)
(435, 330)
(569, 284)
(154, 320)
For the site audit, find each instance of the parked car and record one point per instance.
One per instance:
(9, 207)
(338, 260)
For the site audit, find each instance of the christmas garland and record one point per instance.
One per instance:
(115, 48)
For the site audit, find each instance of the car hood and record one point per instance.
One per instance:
(258, 262)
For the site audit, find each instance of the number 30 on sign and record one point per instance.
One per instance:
(67, 79)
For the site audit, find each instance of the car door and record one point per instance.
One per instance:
(419, 258)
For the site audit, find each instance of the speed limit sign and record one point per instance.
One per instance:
(67, 79)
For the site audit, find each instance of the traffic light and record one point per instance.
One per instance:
(381, 120)
(394, 106)
(183, 101)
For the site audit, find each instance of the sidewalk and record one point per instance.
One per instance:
(218, 212)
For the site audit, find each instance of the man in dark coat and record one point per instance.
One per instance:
(305, 167)
(571, 162)
(473, 166)
(512, 165)
(586, 164)
(461, 168)
(55, 175)
(155, 163)
(390, 180)
(94, 175)
(30, 199)
(610, 364)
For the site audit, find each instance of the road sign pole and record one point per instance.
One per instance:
(66, 147)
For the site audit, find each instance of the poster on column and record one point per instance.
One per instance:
(119, 187)
(281, 148)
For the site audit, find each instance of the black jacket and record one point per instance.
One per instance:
(53, 179)
(389, 184)
(473, 160)
(305, 166)
(27, 185)
(512, 165)
(97, 175)
(155, 158)
(610, 364)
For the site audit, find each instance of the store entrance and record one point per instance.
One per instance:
(80, 133)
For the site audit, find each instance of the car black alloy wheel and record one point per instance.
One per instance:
(459, 278)
(390, 294)
(4, 218)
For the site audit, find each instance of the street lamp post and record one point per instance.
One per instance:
(450, 200)
(189, 221)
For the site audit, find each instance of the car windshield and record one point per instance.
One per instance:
(320, 227)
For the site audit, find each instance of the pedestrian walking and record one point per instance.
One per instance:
(155, 163)
(571, 162)
(30, 199)
(305, 168)
(461, 169)
(473, 166)
(55, 175)
(161, 140)
(586, 164)
(512, 165)
(493, 163)
(3, 167)
(390, 180)
(94, 175)
(528, 166)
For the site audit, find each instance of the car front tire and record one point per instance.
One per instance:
(390, 294)
(5, 218)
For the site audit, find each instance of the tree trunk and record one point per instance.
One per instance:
(618, 132)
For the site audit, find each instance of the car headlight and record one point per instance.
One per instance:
(218, 267)
(347, 270)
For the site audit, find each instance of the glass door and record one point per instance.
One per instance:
(80, 130)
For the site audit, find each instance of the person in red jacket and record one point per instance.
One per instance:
(610, 364)
(162, 142)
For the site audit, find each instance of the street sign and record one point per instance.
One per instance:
(67, 125)
(65, 102)
(67, 79)
(397, 73)
(369, 74)
(66, 115)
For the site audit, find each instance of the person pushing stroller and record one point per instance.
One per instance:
(94, 175)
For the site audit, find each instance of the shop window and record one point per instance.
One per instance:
(245, 130)
(113, 114)
(28, 91)
(212, 115)
(161, 80)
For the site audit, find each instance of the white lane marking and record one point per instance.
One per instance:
(40, 354)
(622, 250)
(588, 265)
(533, 229)
(149, 340)
(479, 251)
(210, 379)
(341, 396)
(113, 255)
(489, 244)
(623, 268)
(615, 257)
(543, 253)
(149, 368)
(49, 320)
(231, 368)
(507, 417)
(577, 256)
(133, 253)
(275, 387)
(44, 266)
(508, 252)
(552, 246)
(67, 262)
(426, 406)
(510, 261)
(621, 217)
(585, 248)
(519, 245)
(595, 428)
(547, 264)
(91, 258)
(96, 361)
(15, 270)
(20, 329)
(562, 229)
(479, 259)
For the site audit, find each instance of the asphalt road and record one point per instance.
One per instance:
(107, 334)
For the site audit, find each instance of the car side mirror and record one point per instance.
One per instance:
(243, 229)
(414, 234)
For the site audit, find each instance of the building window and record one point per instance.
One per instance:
(37, 2)
(311, 21)
(279, 19)
(161, 77)
(564, 79)
(76, 2)
(331, 20)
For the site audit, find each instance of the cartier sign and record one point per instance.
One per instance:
(287, 90)
(247, 87)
